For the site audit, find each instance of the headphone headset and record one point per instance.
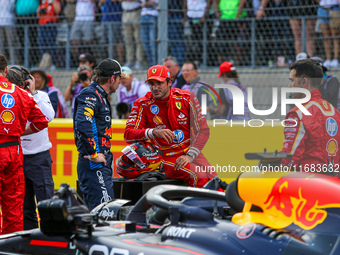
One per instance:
(25, 75)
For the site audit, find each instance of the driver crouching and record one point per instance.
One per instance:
(171, 119)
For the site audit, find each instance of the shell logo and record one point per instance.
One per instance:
(157, 120)
(7, 117)
(332, 147)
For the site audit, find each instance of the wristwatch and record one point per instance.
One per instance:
(191, 154)
(34, 92)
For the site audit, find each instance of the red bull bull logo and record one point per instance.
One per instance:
(108, 131)
(299, 198)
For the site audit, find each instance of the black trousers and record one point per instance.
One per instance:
(39, 185)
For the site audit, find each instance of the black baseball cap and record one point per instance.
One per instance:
(110, 67)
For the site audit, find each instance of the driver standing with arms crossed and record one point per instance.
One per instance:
(172, 120)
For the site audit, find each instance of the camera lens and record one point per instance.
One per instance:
(82, 76)
(43, 11)
(122, 108)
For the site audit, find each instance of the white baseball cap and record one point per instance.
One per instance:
(301, 55)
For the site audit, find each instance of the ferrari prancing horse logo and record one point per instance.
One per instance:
(325, 105)
(179, 105)
(154, 70)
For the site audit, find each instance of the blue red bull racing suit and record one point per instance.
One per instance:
(92, 132)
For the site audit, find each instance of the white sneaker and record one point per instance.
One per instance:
(334, 63)
(137, 66)
(327, 63)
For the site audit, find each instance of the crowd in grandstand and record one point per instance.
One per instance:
(205, 31)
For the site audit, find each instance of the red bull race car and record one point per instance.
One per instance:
(260, 213)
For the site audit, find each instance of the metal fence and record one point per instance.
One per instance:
(246, 41)
(261, 48)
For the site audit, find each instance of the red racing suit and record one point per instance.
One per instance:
(312, 139)
(181, 113)
(16, 108)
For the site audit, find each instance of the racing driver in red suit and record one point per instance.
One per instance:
(172, 120)
(312, 139)
(16, 108)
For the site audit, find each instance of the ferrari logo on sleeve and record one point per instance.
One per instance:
(325, 105)
(7, 87)
(179, 105)
(7, 117)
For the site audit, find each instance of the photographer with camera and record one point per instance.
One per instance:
(81, 79)
(37, 162)
(48, 12)
(123, 110)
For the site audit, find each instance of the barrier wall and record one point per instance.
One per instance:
(225, 149)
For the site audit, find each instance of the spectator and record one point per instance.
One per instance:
(329, 87)
(169, 118)
(193, 82)
(132, 33)
(70, 10)
(48, 12)
(148, 20)
(175, 30)
(17, 107)
(313, 139)
(37, 164)
(8, 29)
(229, 28)
(195, 13)
(132, 89)
(328, 16)
(112, 27)
(92, 129)
(84, 75)
(26, 13)
(57, 100)
(76, 85)
(263, 35)
(280, 27)
(83, 25)
(87, 59)
(229, 75)
(176, 75)
(307, 9)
